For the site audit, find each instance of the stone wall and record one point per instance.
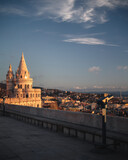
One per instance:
(116, 124)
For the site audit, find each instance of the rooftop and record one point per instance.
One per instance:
(21, 141)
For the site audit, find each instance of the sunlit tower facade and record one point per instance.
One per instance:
(19, 86)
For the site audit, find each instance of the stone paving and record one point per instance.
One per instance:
(21, 141)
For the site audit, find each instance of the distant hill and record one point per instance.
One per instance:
(114, 93)
(125, 93)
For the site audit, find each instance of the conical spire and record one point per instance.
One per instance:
(22, 66)
(10, 67)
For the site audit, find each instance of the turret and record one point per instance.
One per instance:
(9, 81)
(22, 71)
(22, 80)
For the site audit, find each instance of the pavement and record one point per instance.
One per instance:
(22, 141)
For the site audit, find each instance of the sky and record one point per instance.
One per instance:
(67, 44)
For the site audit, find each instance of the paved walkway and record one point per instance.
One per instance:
(21, 141)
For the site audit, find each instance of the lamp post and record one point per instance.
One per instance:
(104, 124)
(103, 108)
(4, 105)
(103, 104)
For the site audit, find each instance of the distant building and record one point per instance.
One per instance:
(19, 87)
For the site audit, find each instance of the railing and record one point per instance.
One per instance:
(70, 123)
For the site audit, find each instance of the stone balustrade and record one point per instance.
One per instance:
(85, 126)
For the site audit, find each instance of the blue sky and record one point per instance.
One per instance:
(70, 44)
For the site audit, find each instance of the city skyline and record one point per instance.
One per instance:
(70, 45)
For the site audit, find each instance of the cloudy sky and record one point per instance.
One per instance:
(67, 44)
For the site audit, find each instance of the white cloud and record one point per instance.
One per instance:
(94, 69)
(107, 3)
(101, 3)
(72, 10)
(125, 68)
(56, 9)
(91, 11)
(77, 87)
(88, 26)
(66, 10)
(98, 87)
(12, 10)
(88, 41)
(79, 39)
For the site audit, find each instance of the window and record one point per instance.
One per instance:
(19, 86)
(26, 95)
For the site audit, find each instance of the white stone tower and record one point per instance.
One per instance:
(19, 87)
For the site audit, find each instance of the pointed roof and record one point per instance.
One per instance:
(22, 65)
(10, 67)
(10, 72)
